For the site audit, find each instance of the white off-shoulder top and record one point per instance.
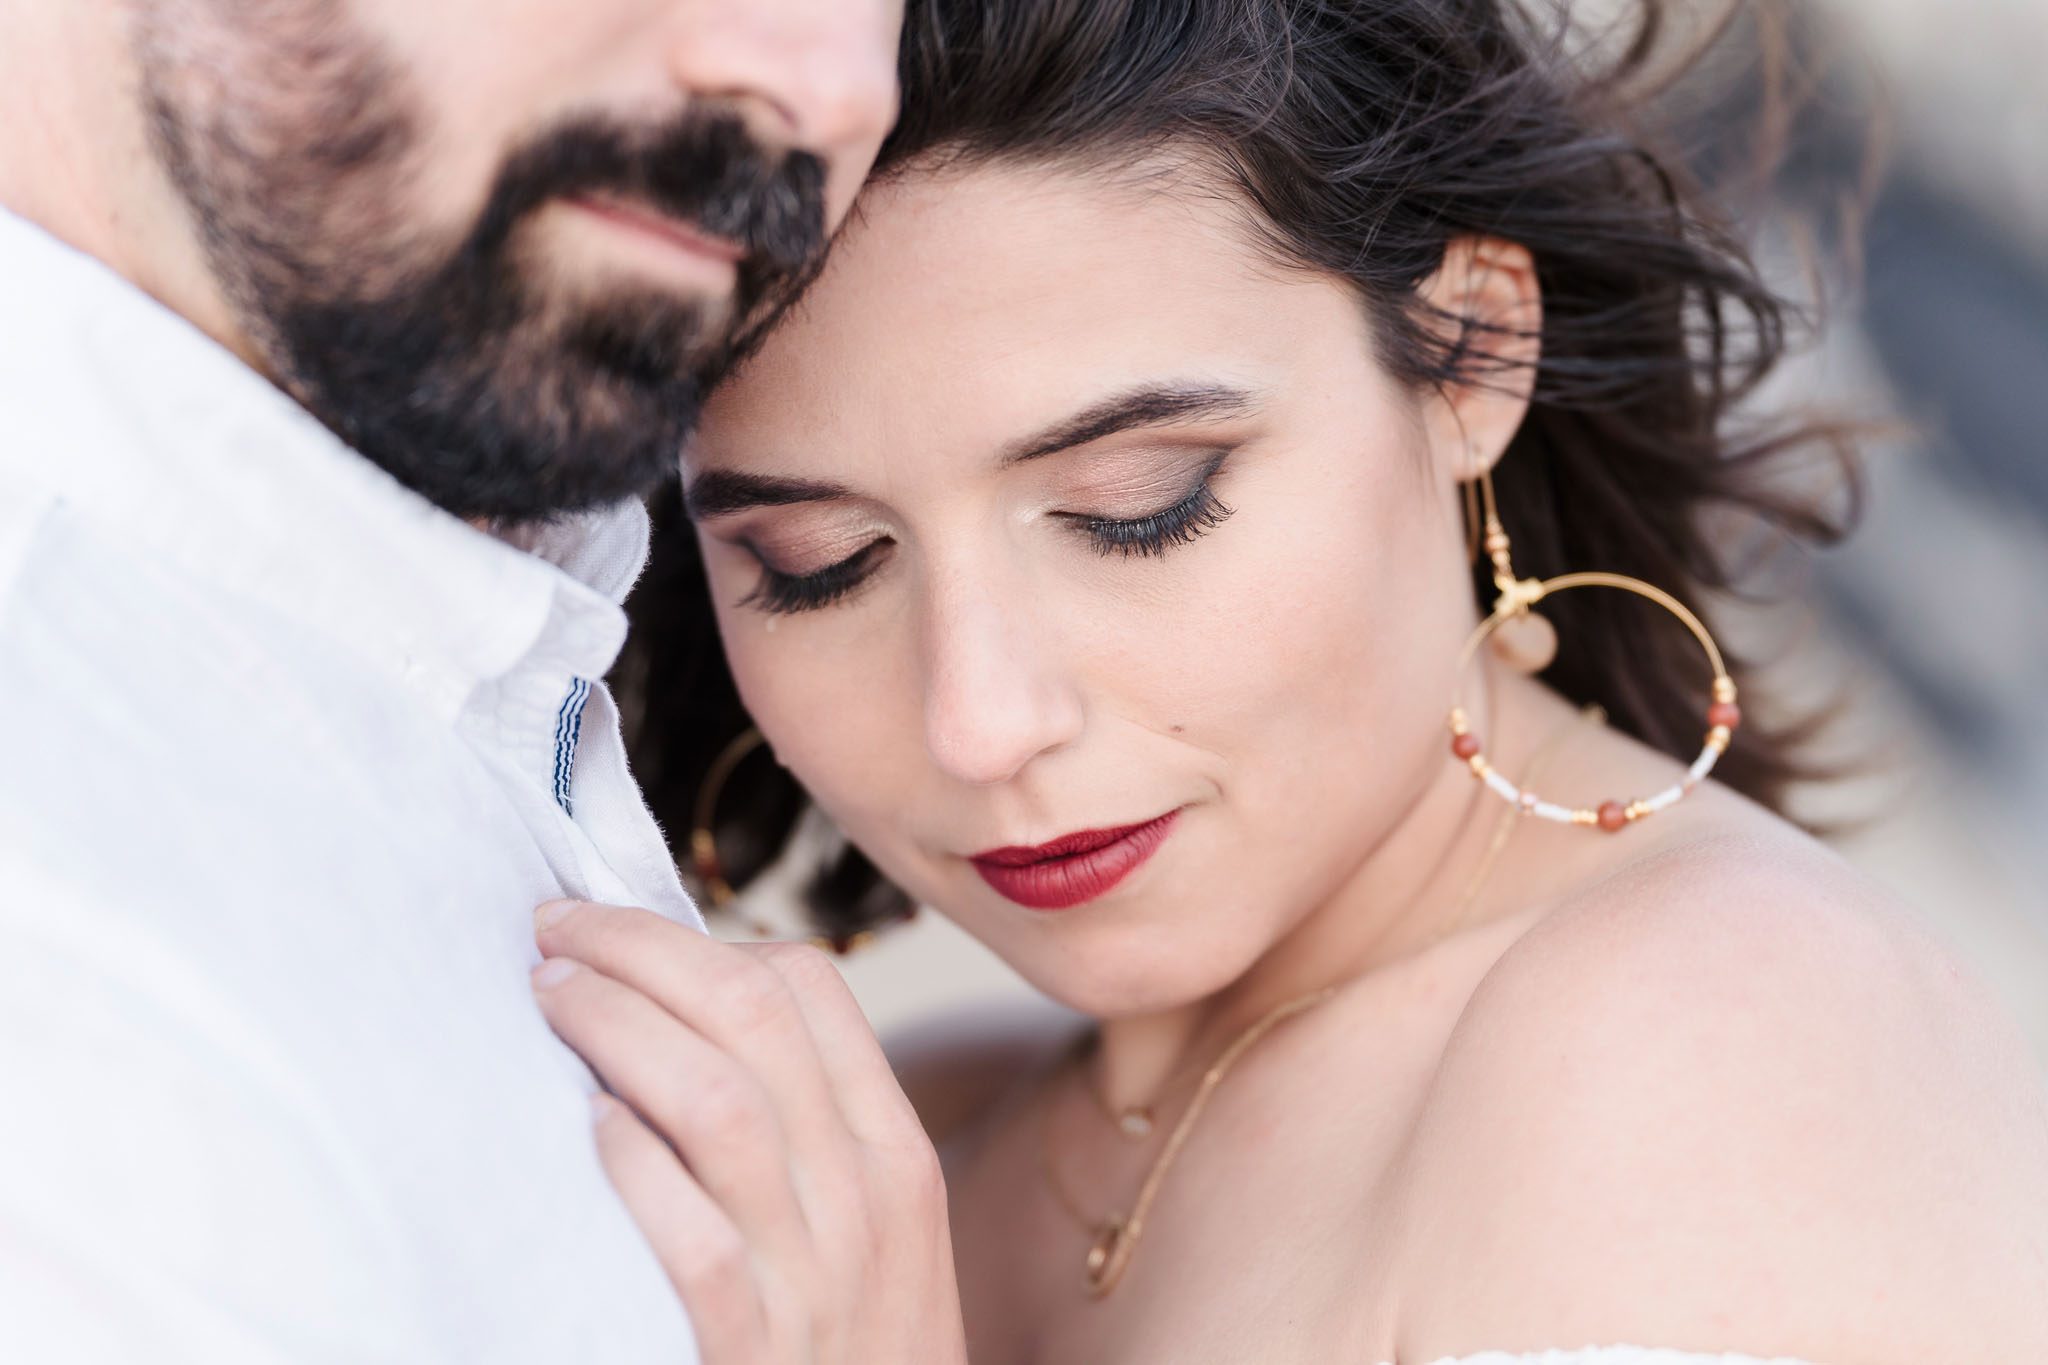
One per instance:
(1614, 1355)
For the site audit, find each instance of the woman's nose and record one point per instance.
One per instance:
(996, 695)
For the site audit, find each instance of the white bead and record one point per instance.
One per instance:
(1508, 791)
(1550, 810)
(1670, 796)
(1703, 765)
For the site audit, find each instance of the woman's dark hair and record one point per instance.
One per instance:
(1368, 135)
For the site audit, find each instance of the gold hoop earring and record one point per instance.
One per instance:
(1517, 600)
(1472, 528)
(710, 869)
(704, 860)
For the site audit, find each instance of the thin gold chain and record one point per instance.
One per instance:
(1117, 1234)
(1089, 1222)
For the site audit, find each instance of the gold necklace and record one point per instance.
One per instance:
(1115, 1236)
(1134, 1121)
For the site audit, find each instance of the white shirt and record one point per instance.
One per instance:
(287, 758)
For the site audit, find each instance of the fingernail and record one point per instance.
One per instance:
(551, 914)
(553, 972)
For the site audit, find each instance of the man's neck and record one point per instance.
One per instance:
(77, 161)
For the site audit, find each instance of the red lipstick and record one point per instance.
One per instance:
(1073, 868)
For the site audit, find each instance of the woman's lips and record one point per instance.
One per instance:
(1074, 868)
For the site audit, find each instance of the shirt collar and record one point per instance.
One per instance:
(122, 407)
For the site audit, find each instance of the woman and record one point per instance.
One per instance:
(1095, 547)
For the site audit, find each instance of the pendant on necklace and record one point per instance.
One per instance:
(1135, 1122)
(1108, 1256)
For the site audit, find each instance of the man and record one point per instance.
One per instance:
(336, 339)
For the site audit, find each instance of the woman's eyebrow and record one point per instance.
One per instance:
(1148, 405)
(720, 493)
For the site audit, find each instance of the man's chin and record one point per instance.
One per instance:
(519, 495)
(500, 395)
(513, 456)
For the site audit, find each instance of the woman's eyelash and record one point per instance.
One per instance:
(1181, 524)
(782, 593)
(1131, 537)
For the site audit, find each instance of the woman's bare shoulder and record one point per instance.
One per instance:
(1731, 1096)
(955, 1066)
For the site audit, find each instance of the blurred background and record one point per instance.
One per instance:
(1926, 635)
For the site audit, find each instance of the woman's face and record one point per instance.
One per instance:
(1057, 509)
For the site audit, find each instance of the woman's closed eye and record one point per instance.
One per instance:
(1145, 535)
(783, 593)
(1154, 533)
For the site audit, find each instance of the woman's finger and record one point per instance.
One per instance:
(738, 1003)
(703, 1103)
(859, 1072)
(700, 1249)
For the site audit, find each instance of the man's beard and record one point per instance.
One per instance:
(456, 367)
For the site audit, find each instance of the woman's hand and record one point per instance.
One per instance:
(763, 1145)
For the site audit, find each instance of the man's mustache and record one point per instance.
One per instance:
(703, 168)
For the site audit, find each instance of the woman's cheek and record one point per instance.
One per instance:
(814, 686)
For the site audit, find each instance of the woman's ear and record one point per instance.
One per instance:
(1489, 307)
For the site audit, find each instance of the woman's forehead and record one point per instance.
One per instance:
(973, 303)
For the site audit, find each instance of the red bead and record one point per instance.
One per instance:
(1725, 714)
(1465, 745)
(1613, 816)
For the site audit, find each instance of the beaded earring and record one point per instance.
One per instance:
(1532, 641)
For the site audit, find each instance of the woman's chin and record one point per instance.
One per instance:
(1134, 952)
(1105, 984)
